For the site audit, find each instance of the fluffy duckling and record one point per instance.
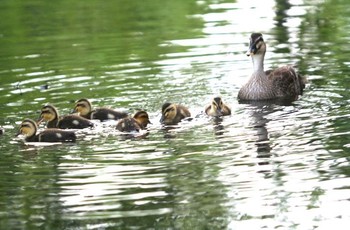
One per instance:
(217, 108)
(134, 124)
(173, 113)
(29, 128)
(84, 107)
(50, 114)
(283, 82)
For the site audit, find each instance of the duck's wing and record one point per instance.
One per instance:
(286, 81)
(128, 125)
(226, 110)
(207, 109)
(183, 111)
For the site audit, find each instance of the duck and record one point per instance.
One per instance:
(217, 108)
(134, 124)
(50, 114)
(172, 114)
(29, 128)
(283, 82)
(84, 108)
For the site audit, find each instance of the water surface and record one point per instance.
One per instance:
(273, 166)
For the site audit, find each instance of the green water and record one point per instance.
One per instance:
(266, 166)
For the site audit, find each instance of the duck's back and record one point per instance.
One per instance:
(128, 125)
(182, 112)
(286, 82)
(56, 135)
(74, 122)
(283, 82)
(104, 114)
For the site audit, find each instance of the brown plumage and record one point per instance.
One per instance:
(29, 128)
(84, 108)
(283, 82)
(134, 124)
(50, 114)
(217, 108)
(173, 113)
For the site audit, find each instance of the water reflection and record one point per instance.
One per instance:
(265, 166)
(259, 123)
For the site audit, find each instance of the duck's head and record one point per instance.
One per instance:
(256, 45)
(169, 112)
(142, 118)
(83, 106)
(217, 105)
(28, 128)
(48, 113)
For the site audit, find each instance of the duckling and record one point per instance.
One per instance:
(173, 113)
(50, 114)
(217, 108)
(134, 124)
(283, 82)
(84, 107)
(29, 128)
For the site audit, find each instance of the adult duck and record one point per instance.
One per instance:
(281, 83)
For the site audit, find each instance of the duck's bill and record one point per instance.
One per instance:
(39, 120)
(161, 119)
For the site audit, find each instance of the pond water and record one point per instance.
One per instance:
(266, 166)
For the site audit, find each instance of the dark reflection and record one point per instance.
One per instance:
(168, 130)
(259, 123)
(218, 127)
(133, 136)
(278, 101)
(261, 109)
(281, 7)
(281, 33)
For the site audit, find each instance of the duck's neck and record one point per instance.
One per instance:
(258, 63)
(53, 123)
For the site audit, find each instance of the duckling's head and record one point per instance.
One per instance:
(48, 113)
(28, 128)
(142, 118)
(256, 45)
(217, 105)
(83, 106)
(169, 112)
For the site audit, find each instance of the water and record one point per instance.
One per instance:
(266, 166)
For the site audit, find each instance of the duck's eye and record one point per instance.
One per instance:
(80, 105)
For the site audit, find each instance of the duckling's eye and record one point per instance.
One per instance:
(25, 126)
(168, 110)
(45, 111)
(81, 105)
